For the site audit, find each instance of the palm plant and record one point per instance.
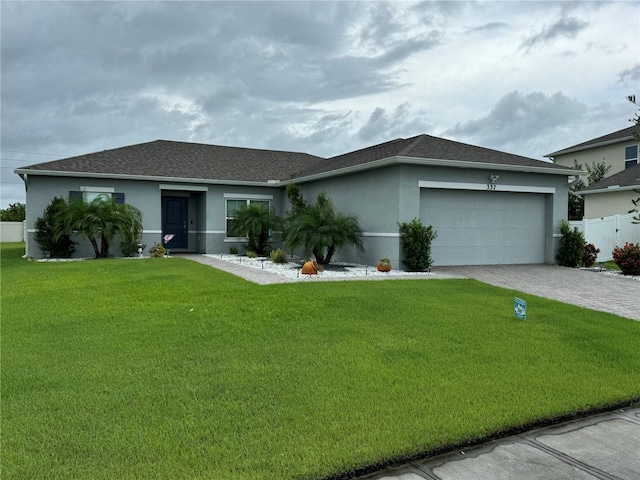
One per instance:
(320, 230)
(100, 219)
(255, 221)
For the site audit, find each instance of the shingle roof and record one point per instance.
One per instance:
(619, 136)
(423, 146)
(170, 159)
(163, 158)
(629, 177)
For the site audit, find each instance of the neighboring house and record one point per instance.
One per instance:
(613, 194)
(618, 149)
(488, 207)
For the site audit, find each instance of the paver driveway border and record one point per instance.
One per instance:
(597, 291)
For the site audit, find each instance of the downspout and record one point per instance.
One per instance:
(25, 179)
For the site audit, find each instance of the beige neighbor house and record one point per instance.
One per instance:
(613, 194)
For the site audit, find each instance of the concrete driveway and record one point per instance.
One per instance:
(598, 291)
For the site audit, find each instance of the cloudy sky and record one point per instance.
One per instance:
(320, 77)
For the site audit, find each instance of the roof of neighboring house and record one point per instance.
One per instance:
(162, 158)
(424, 147)
(620, 136)
(627, 179)
(194, 161)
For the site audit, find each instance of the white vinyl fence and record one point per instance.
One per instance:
(609, 232)
(13, 231)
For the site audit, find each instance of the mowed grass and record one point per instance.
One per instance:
(165, 369)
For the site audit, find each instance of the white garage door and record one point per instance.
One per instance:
(485, 228)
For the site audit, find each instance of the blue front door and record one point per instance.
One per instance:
(175, 222)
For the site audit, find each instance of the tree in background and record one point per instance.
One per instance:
(319, 229)
(595, 173)
(60, 247)
(101, 219)
(14, 213)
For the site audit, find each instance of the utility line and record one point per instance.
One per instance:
(34, 153)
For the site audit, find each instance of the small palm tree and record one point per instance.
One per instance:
(255, 221)
(320, 230)
(101, 219)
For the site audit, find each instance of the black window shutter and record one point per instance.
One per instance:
(118, 197)
(75, 195)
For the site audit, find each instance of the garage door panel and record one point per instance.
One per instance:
(485, 228)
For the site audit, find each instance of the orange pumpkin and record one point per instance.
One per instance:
(309, 269)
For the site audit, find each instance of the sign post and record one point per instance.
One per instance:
(520, 308)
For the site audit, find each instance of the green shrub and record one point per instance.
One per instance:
(571, 250)
(628, 258)
(129, 247)
(60, 247)
(416, 245)
(278, 256)
(251, 254)
(590, 255)
(157, 251)
(233, 250)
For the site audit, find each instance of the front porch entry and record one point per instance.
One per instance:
(175, 221)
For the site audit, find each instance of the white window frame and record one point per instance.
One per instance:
(631, 158)
(248, 198)
(91, 193)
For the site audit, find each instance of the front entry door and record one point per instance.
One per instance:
(175, 221)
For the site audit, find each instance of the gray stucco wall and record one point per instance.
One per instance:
(142, 195)
(374, 197)
(380, 198)
(383, 197)
(206, 212)
(214, 234)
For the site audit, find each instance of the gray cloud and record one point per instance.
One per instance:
(326, 136)
(515, 116)
(491, 27)
(566, 27)
(630, 77)
(320, 77)
(401, 122)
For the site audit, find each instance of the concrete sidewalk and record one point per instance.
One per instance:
(604, 446)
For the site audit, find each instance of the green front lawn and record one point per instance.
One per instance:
(167, 369)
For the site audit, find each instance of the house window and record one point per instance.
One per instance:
(88, 194)
(630, 156)
(234, 203)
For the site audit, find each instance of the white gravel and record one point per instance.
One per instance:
(292, 269)
(335, 270)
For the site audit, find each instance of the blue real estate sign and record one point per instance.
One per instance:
(520, 308)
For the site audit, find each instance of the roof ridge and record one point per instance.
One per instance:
(418, 140)
(234, 146)
(613, 137)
